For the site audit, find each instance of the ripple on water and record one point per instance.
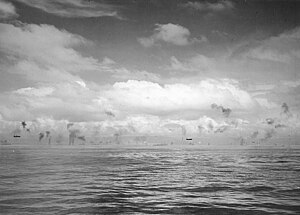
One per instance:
(148, 181)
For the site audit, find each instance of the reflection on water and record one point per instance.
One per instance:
(148, 181)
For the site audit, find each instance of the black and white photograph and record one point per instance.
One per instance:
(150, 107)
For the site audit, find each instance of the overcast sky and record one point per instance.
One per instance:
(144, 63)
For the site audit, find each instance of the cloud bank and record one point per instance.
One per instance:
(149, 97)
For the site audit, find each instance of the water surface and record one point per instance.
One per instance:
(56, 180)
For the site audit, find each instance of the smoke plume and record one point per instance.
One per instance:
(69, 125)
(47, 134)
(109, 113)
(41, 136)
(225, 111)
(285, 110)
(23, 124)
(81, 138)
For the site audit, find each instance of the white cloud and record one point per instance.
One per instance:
(149, 97)
(283, 48)
(7, 10)
(131, 125)
(125, 74)
(108, 61)
(45, 46)
(61, 101)
(73, 8)
(268, 54)
(265, 103)
(30, 91)
(75, 101)
(198, 63)
(170, 33)
(209, 7)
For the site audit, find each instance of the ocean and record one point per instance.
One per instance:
(94, 180)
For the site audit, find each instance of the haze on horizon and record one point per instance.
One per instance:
(190, 68)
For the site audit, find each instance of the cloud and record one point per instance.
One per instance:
(198, 63)
(45, 47)
(108, 61)
(150, 97)
(74, 8)
(142, 124)
(125, 74)
(60, 101)
(80, 102)
(45, 54)
(205, 6)
(7, 10)
(39, 92)
(170, 33)
(282, 48)
(265, 103)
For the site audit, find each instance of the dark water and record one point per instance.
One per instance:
(148, 181)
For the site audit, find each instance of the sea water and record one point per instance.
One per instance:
(79, 180)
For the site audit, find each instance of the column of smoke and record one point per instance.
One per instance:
(285, 113)
(225, 111)
(82, 138)
(23, 124)
(73, 134)
(110, 114)
(41, 136)
(48, 136)
(116, 137)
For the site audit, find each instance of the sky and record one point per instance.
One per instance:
(150, 66)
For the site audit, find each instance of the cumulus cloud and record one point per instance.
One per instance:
(170, 33)
(206, 6)
(7, 10)
(60, 101)
(74, 8)
(74, 102)
(131, 125)
(150, 97)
